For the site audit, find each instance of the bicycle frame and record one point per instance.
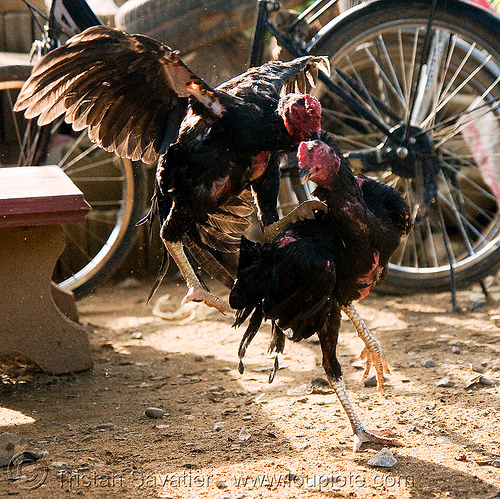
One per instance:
(264, 24)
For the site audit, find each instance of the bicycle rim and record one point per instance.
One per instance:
(113, 186)
(379, 65)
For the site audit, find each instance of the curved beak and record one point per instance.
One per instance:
(305, 175)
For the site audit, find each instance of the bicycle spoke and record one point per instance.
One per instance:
(431, 243)
(64, 165)
(463, 124)
(362, 85)
(397, 86)
(452, 207)
(457, 90)
(402, 68)
(475, 207)
(480, 190)
(387, 83)
(457, 212)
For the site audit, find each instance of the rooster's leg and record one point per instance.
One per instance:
(361, 434)
(196, 291)
(304, 211)
(372, 352)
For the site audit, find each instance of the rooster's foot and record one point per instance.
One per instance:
(372, 351)
(202, 295)
(305, 211)
(362, 434)
(375, 357)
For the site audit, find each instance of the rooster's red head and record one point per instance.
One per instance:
(301, 114)
(318, 162)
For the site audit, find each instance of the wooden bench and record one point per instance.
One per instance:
(34, 202)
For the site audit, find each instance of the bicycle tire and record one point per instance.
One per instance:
(96, 247)
(388, 27)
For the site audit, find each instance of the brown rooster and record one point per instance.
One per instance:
(136, 97)
(315, 268)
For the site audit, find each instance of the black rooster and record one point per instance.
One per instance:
(316, 268)
(137, 98)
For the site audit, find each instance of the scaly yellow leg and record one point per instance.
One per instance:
(361, 434)
(196, 291)
(305, 211)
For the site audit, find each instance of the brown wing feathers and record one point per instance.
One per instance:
(124, 88)
(224, 227)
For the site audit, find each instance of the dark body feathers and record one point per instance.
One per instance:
(303, 278)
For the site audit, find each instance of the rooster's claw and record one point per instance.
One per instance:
(305, 211)
(201, 295)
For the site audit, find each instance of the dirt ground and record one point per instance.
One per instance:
(99, 442)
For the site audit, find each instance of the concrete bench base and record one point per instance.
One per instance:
(32, 324)
(30, 321)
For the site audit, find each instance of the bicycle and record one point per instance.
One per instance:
(414, 100)
(115, 187)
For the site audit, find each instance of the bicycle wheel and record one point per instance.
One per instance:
(114, 187)
(439, 144)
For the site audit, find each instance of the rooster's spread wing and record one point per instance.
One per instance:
(129, 90)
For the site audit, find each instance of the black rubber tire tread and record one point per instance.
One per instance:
(480, 25)
(189, 24)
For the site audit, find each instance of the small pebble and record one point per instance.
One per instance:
(429, 363)
(136, 336)
(445, 382)
(130, 283)
(487, 381)
(477, 369)
(244, 435)
(456, 350)
(216, 389)
(383, 459)
(299, 390)
(154, 412)
(10, 444)
(218, 426)
(495, 319)
(105, 426)
(59, 465)
(443, 440)
(359, 365)
(372, 380)
(221, 484)
(320, 386)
